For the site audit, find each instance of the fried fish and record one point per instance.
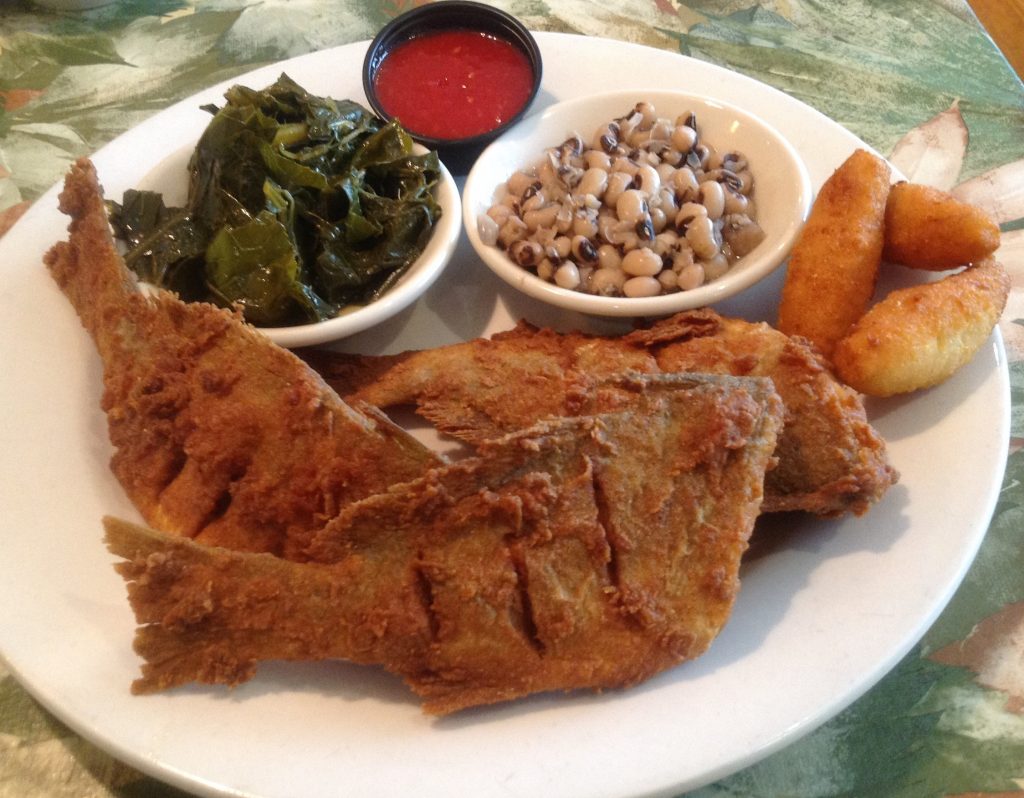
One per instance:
(584, 552)
(830, 459)
(219, 435)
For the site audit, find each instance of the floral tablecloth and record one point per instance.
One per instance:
(917, 79)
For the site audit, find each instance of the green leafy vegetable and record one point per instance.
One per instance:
(297, 206)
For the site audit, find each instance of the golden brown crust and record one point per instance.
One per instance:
(834, 264)
(926, 228)
(218, 433)
(830, 459)
(557, 560)
(919, 336)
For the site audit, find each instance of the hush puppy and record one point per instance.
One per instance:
(926, 228)
(834, 264)
(917, 337)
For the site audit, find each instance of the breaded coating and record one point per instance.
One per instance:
(834, 264)
(219, 434)
(830, 461)
(926, 228)
(558, 559)
(919, 336)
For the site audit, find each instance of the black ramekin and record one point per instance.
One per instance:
(458, 154)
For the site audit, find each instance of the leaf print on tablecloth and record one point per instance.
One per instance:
(24, 48)
(933, 152)
(901, 740)
(837, 64)
(994, 651)
(999, 191)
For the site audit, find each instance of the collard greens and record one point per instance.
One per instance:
(297, 206)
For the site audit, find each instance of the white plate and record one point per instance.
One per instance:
(826, 608)
(782, 191)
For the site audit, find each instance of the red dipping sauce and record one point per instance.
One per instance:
(454, 84)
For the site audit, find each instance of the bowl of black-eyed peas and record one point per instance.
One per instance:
(636, 203)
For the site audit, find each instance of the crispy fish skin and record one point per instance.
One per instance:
(218, 434)
(554, 561)
(834, 264)
(926, 228)
(830, 461)
(919, 336)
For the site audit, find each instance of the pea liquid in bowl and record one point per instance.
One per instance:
(781, 194)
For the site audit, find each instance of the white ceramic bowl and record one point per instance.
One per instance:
(408, 289)
(782, 191)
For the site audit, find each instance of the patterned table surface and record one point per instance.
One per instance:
(949, 719)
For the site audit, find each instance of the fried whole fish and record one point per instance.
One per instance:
(830, 460)
(584, 552)
(219, 435)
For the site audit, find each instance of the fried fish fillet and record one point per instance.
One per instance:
(830, 459)
(219, 434)
(584, 552)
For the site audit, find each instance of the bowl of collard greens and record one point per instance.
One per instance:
(312, 216)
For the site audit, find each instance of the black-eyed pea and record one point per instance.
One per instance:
(690, 277)
(659, 219)
(641, 286)
(545, 236)
(684, 137)
(583, 250)
(712, 197)
(567, 275)
(741, 233)
(546, 270)
(669, 281)
(541, 217)
(520, 181)
(607, 225)
(682, 257)
(644, 230)
(584, 224)
(703, 237)
(608, 257)
(667, 201)
(526, 252)
(715, 266)
(641, 262)
(562, 246)
(647, 180)
(586, 273)
(597, 159)
(607, 282)
(564, 219)
(533, 199)
(665, 242)
(487, 229)
(617, 183)
(688, 214)
(648, 113)
(593, 182)
(513, 230)
(735, 202)
(631, 206)
(684, 181)
(499, 213)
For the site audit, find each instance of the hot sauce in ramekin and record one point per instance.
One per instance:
(454, 84)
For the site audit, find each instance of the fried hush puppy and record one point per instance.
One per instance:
(834, 264)
(926, 228)
(917, 337)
